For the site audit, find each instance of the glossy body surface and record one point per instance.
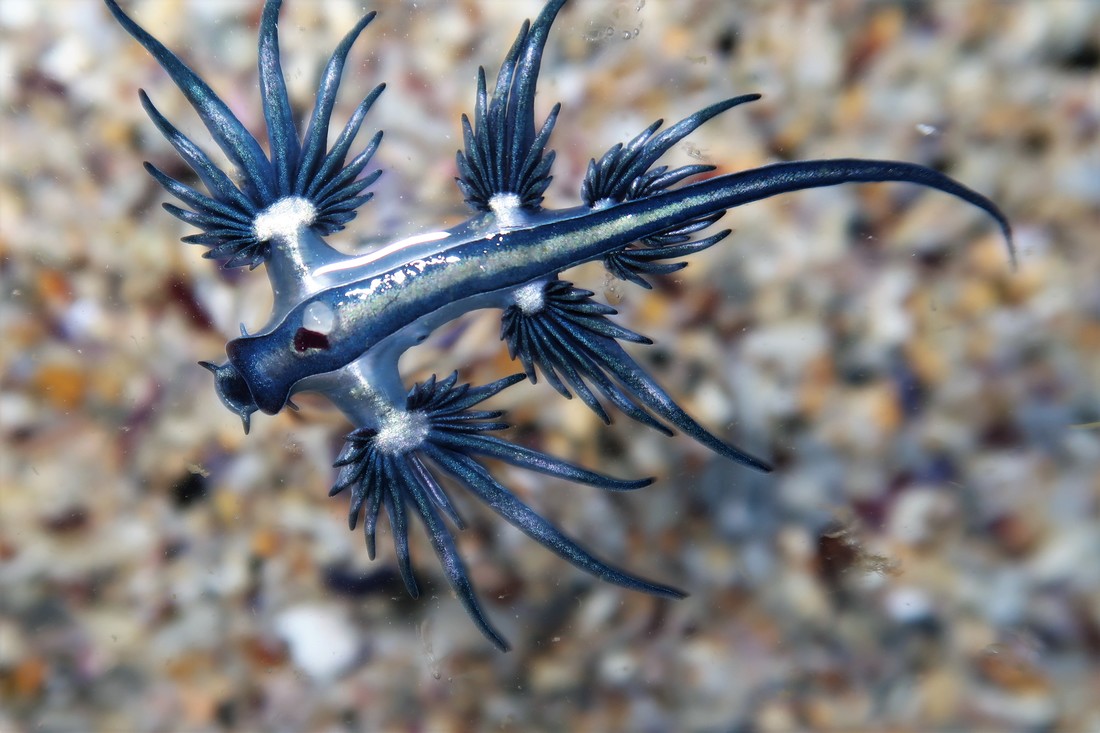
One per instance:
(341, 322)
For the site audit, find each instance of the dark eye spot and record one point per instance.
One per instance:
(304, 340)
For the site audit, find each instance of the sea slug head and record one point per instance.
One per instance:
(233, 390)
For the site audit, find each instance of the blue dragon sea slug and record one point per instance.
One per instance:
(340, 322)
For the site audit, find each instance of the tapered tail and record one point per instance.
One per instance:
(648, 216)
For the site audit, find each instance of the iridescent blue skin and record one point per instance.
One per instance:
(341, 322)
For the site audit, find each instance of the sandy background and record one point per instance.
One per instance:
(924, 558)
